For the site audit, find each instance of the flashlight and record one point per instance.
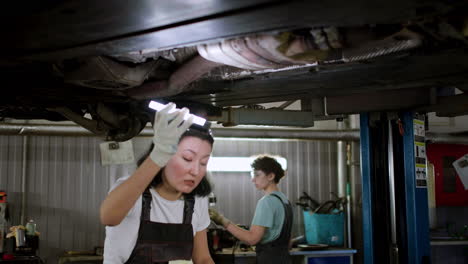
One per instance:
(198, 122)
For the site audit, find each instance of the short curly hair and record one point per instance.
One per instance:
(268, 164)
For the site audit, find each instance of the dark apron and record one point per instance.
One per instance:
(159, 243)
(277, 251)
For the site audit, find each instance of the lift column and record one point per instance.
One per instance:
(394, 189)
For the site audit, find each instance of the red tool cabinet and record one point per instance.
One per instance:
(449, 189)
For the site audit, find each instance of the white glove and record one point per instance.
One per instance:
(169, 125)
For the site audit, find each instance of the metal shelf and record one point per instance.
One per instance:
(448, 242)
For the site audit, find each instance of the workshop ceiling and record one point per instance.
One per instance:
(64, 60)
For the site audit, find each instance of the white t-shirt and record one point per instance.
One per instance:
(121, 239)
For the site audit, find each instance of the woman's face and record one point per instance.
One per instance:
(261, 180)
(188, 165)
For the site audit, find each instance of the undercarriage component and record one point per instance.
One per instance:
(89, 124)
(401, 41)
(421, 99)
(264, 51)
(260, 52)
(104, 73)
(179, 55)
(178, 82)
(246, 116)
(107, 123)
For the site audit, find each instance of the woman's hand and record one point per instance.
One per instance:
(218, 218)
(251, 236)
(169, 125)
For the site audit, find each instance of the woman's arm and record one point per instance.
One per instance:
(251, 236)
(201, 254)
(169, 124)
(120, 200)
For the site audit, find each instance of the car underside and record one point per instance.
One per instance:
(99, 63)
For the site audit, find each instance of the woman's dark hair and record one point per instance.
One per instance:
(204, 187)
(268, 165)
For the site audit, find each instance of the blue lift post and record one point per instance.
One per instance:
(368, 235)
(415, 190)
(417, 205)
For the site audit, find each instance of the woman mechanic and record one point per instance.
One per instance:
(271, 226)
(160, 212)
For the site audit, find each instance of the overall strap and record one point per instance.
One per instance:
(287, 224)
(277, 251)
(189, 202)
(146, 206)
(277, 196)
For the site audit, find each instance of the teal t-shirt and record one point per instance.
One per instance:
(270, 214)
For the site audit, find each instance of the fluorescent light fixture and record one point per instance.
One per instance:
(237, 164)
(196, 119)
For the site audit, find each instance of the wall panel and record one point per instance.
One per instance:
(65, 183)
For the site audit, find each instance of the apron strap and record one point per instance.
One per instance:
(189, 202)
(146, 207)
(151, 246)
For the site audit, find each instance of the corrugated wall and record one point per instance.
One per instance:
(64, 186)
(65, 183)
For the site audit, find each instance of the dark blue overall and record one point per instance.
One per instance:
(277, 251)
(159, 243)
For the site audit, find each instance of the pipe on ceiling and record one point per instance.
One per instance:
(446, 138)
(59, 130)
(346, 135)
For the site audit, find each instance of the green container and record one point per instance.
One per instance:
(324, 228)
(31, 228)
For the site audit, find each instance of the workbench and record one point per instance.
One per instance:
(83, 259)
(227, 256)
(324, 256)
(22, 260)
